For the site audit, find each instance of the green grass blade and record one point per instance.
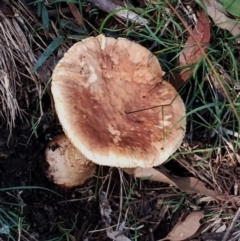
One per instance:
(29, 188)
(45, 17)
(49, 50)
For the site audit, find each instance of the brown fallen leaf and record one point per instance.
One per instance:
(187, 184)
(185, 229)
(201, 35)
(76, 13)
(151, 173)
(216, 11)
(193, 50)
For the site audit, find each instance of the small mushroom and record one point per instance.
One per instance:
(114, 106)
(67, 167)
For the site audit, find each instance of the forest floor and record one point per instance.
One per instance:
(202, 201)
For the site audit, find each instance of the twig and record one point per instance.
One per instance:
(109, 7)
(151, 237)
(231, 226)
(121, 197)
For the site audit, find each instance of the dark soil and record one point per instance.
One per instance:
(45, 212)
(48, 211)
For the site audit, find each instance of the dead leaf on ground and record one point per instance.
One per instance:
(106, 212)
(105, 209)
(216, 11)
(76, 13)
(200, 35)
(116, 235)
(187, 184)
(193, 50)
(185, 229)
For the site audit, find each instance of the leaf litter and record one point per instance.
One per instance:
(187, 184)
(216, 11)
(193, 50)
(196, 43)
(106, 211)
(14, 48)
(76, 13)
(185, 229)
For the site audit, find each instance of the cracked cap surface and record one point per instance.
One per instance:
(114, 106)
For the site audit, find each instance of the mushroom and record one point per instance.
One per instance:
(67, 167)
(114, 106)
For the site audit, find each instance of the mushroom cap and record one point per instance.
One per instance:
(67, 166)
(114, 106)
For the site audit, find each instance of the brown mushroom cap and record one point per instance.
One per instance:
(67, 166)
(114, 106)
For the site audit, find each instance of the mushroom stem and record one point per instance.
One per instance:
(67, 166)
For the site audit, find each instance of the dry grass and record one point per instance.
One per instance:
(16, 61)
(20, 45)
